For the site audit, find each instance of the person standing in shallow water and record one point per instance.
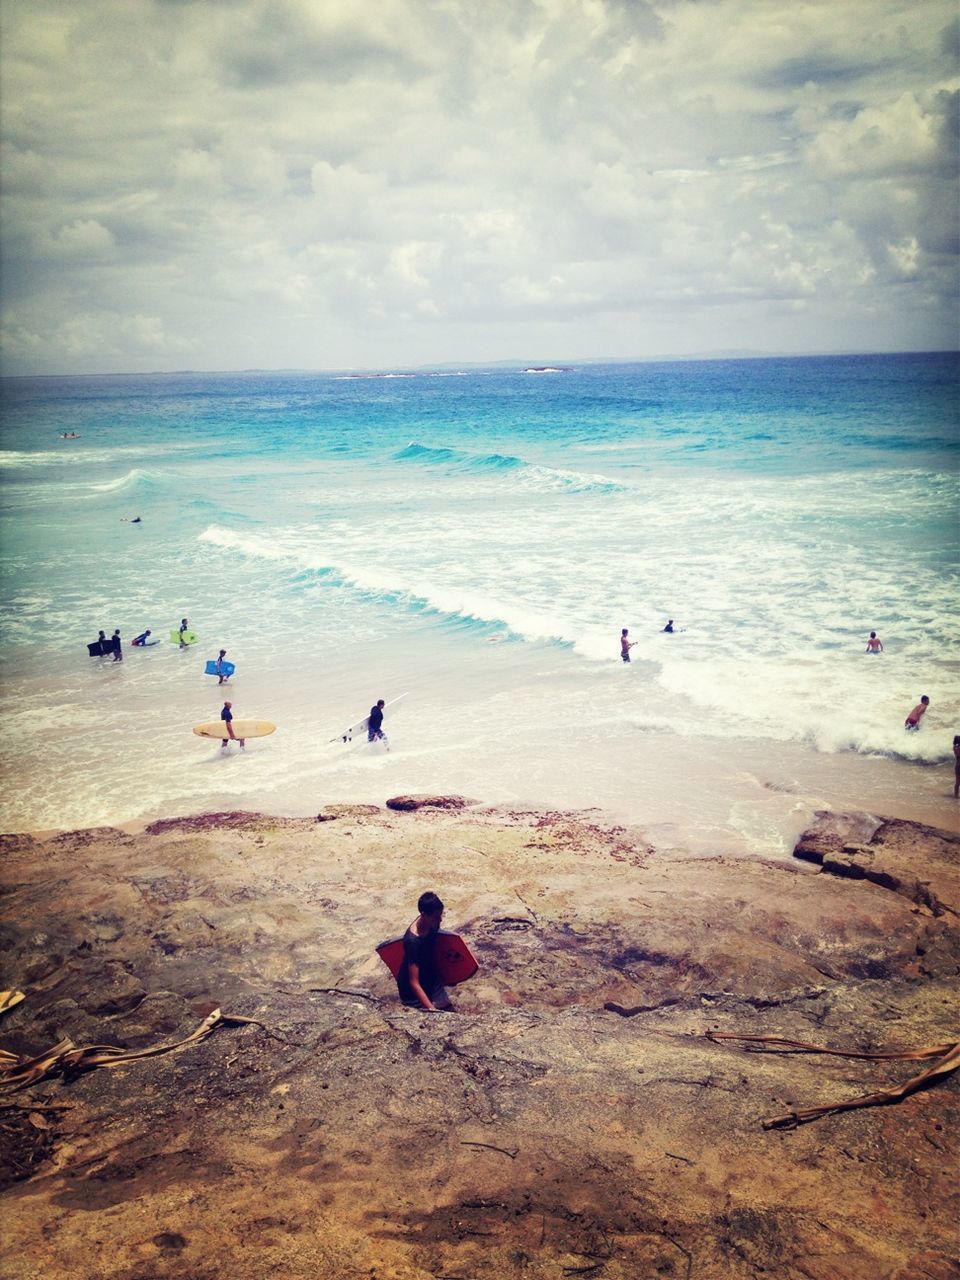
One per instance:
(183, 628)
(625, 645)
(956, 765)
(375, 723)
(226, 715)
(117, 646)
(874, 644)
(418, 982)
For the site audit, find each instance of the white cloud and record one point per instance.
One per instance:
(892, 138)
(430, 179)
(197, 170)
(83, 238)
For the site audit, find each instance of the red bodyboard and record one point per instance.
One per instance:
(453, 958)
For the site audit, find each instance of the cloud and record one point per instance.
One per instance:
(83, 238)
(892, 138)
(250, 184)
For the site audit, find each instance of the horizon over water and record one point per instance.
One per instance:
(475, 539)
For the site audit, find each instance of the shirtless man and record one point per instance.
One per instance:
(916, 715)
(625, 645)
(874, 644)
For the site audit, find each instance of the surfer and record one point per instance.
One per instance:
(374, 730)
(115, 645)
(874, 644)
(141, 639)
(104, 643)
(956, 765)
(625, 645)
(916, 715)
(226, 715)
(219, 667)
(669, 626)
(183, 628)
(418, 982)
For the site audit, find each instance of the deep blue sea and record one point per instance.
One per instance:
(476, 540)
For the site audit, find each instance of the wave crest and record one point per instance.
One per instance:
(530, 474)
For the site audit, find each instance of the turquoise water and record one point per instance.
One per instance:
(476, 540)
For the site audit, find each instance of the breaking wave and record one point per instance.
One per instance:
(458, 461)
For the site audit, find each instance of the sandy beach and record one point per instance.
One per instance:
(574, 1117)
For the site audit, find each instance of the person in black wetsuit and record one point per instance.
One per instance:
(117, 646)
(226, 715)
(374, 729)
(418, 982)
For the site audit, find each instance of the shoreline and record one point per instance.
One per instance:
(935, 809)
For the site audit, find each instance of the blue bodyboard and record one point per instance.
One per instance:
(211, 668)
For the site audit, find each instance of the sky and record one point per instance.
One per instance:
(332, 184)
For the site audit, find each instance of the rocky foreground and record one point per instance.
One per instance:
(573, 1119)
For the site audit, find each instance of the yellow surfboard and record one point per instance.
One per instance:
(241, 729)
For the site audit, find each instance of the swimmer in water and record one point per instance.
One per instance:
(874, 644)
(916, 715)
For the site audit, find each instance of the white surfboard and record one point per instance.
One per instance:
(355, 730)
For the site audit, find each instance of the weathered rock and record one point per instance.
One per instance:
(236, 819)
(407, 804)
(548, 1134)
(359, 811)
(903, 857)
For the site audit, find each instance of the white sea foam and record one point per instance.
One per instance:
(137, 477)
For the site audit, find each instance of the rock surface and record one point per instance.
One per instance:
(571, 1119)
(408, 804)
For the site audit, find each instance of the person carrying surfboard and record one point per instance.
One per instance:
(374, 729)
(418, 982)
(183, 627)
(219, 667)
(226, 715)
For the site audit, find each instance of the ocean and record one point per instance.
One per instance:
(475, 540)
